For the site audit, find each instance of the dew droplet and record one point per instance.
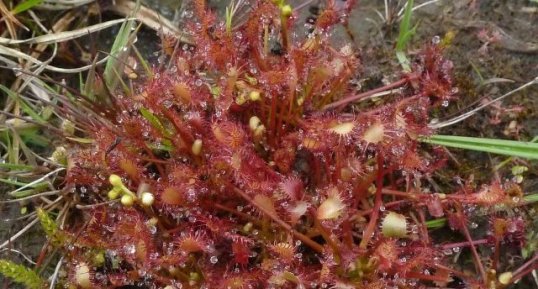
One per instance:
(213, 259)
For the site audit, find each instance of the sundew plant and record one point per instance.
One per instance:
(248, 160)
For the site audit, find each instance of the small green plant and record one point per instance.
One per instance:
(57, 237)
(21, 274)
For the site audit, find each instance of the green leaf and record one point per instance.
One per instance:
(530, 198)
(402, 59)
(25, 5)
(436, 223)
(164, 145)
(155, 122)
(21, 274)
(528, 150)
(34, 137)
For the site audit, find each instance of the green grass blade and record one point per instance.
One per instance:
(6, 138)
(119, 43)
(436, 223)
(25, 5)
(21, 184)
(24, 106)
(118, 51)
(15, 167)
(405, 34)
(526, 150)
(144, 63)
(25, 193)
(229, 15)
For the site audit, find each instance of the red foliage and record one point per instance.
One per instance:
(255, 183)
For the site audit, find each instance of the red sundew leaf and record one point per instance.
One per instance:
(241, 252)
(229, 134)
(293, 188)
(265, 203)
(130, 168)
(172, 196)
(193, 242)
(435, 207)
(387, 253)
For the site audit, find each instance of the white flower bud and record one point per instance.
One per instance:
(147, 199)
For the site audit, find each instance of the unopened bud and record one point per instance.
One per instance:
(253, 123)
(505, 278)
(254, 95)
(197, 147)
(147, 199)
(113, 194)
(127, 200)
(115, 181)
(286, 10)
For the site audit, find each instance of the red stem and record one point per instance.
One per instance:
(387, 205)
(523, 273)
(272, 116)
(327, 236)
(464, 244)
(520, 272)
(416, 275)
(496, 254)
(355, 97)
(367, 234)
(309, 242)
(424, 228)
(478, 263)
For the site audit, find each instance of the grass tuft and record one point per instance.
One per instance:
(406, 32)
(528, 150)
